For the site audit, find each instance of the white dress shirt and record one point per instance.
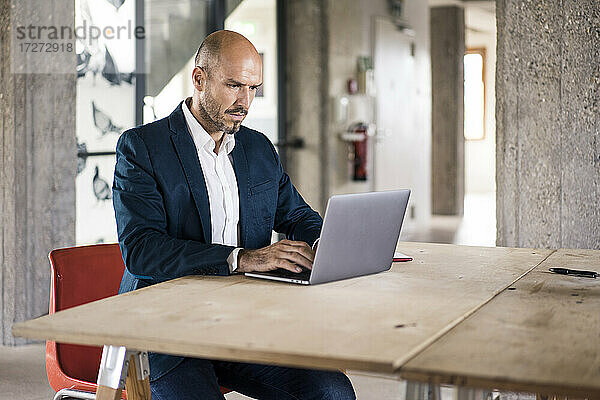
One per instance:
(221, 184)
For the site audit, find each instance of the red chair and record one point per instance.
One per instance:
(80, 275)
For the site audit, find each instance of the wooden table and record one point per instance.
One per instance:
(445, 317)
(542, 335)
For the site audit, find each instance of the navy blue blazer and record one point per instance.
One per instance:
(163, 215)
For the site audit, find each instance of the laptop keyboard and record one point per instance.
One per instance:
(284, 273)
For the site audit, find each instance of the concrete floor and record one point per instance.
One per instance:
(23, 373)
(476, 228)
(23, 376)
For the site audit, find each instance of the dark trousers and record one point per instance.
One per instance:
(200, 379)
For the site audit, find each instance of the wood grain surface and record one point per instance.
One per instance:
(136, 389)
(373, 323)
(541, 335)
(108, 393)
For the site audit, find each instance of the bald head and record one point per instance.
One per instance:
(227, 74)
(224, 46)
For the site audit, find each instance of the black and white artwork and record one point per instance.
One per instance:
(81, 158)
(100, 186)
(101, 64)
(105, 107)
(111, 73)
(83, 62)
(116, 3)
(103, 122)
(110, 57)
(95, 220)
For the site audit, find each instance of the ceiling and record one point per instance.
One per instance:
(487, 5)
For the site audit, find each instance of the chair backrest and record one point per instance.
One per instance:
(81, 275)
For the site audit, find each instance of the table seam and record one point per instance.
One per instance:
(402, 361)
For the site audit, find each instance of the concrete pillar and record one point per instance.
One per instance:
(548, 123)
(448, 160)
(307, 86)
(37, 168)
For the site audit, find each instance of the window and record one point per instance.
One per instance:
(474, 69)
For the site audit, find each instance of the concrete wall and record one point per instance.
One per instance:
(350, 37)
(306, 88)
(37, 172)
(447, 152)
(548, 119)
(263, 113)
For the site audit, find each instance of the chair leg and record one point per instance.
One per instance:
(112, 373)
(120, 367)
(74, 394)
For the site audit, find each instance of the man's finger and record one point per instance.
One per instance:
(299, 259)
(306, 251)
(297, 243)
(283, 263)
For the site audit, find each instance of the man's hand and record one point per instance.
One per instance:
(287, 254)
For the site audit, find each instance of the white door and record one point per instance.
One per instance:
(400, 149)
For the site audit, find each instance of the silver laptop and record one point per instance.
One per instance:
(359, 236)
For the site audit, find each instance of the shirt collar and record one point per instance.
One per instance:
(201, 138)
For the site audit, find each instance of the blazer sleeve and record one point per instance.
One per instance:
(149, 252)
(294, 217)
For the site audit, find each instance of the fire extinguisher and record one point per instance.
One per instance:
(357, 134)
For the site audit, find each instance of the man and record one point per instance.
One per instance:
(197, 193)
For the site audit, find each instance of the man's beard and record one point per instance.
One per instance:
(210, 112)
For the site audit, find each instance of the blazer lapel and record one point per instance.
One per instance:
(242, 175)
(186, 151)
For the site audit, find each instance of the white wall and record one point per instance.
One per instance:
(256, 20)
(352, 34)
(480, 159)
(95, 218)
